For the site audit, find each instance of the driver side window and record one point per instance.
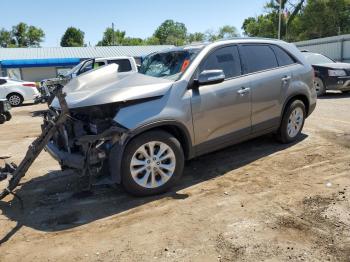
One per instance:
(226, 59)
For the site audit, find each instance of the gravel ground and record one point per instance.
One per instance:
(256, 201)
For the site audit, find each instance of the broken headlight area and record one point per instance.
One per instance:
(83, 142)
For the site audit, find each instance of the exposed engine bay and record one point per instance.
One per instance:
(84, 141)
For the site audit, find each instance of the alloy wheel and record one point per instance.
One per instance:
(319, 86)
(15, 100)
(295, 122)
(153, 164)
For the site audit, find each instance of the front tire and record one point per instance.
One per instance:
(152, 163)
(292, 122)
(319, 86)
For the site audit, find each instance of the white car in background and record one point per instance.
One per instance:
(17, 91)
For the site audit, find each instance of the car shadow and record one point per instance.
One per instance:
(52, 202)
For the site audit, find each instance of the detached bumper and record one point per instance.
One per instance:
(75, 161)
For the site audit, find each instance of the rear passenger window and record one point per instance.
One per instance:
(283, 57)
(124, 64)
(258, 57)
(226, 59)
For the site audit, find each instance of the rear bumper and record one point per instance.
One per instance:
(75, 161)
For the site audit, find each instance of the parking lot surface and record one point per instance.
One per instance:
(255, 201)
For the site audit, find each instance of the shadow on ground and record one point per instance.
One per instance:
(51, 202)
(334, 95)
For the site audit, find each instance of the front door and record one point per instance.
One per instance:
(221, 112)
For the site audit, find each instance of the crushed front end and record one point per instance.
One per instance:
(83, 143)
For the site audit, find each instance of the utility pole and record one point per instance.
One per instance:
(279, 19)
(113, 35)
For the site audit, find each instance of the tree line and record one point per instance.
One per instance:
(300, 20)
(168, 33)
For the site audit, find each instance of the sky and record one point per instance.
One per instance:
(139, 18)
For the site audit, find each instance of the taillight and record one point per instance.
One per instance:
(30, 85)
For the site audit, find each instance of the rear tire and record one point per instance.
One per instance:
(292, 122)
(15, 99)
(152, 163)
(319, 86)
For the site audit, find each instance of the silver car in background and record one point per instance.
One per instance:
(137, 130)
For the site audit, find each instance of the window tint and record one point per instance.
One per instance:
(283, 57)
(258, 58)
(2, 81)
(226, 59)
(124, 64)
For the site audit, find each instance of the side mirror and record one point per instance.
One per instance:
(210, 77)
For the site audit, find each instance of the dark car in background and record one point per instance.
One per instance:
(329, 74)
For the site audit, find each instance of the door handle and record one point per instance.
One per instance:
(243, 91)
(286, 78)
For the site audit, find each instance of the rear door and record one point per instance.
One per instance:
(221, 112)
(268, 82)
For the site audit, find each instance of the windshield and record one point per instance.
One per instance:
(314, 59)
(170, 65)
(74, 70)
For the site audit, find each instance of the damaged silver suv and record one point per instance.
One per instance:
(137, 130)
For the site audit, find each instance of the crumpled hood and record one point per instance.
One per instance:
(105, 85)
(335, 65)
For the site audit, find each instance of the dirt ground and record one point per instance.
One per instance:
(256, 201)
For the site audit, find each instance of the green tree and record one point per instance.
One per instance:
(22, 35)
(223, 32)
(72, 37)
(266, 25)
(195, 37)
(112, 37)
(132, 41)
(19, 33)
(152, 41)
(227, 31)
(323, 18)
(34, 36)
(6, 39)
(171, 33)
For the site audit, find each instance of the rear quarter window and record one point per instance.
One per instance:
(283, 57)
(2, 81)
(258, 57)
(124, 64)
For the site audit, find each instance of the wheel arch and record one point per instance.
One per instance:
(174, 128)
(294, 97)
(15, 93)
